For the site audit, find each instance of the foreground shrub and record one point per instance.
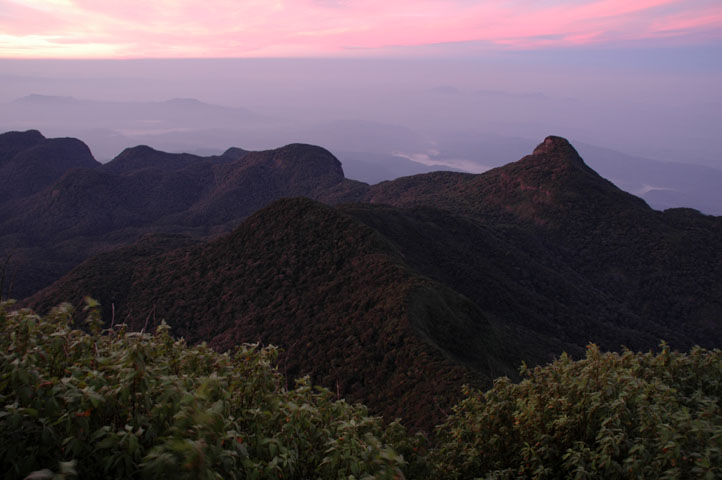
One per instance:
(114, 404)
(98, 403)
(607, 416)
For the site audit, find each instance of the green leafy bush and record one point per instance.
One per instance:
(115, 404)
(606, 416)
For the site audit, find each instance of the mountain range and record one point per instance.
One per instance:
(79, 207)
(395, 294)
(385, 148)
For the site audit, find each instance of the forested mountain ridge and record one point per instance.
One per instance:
(330, 291)
(438, 280)
(66, 206)
(664, 266)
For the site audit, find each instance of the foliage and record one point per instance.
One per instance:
(609, 415)
(115, 404)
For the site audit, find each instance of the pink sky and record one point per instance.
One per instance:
(295, 28)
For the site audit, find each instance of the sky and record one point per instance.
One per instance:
(388, 77)
(344, 28)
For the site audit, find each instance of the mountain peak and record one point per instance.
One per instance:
(132, 155)
(137, 150)
(234, 153)
(558, 154)
(12, 143)
(555, 145)
(142, 156)
(309, 162)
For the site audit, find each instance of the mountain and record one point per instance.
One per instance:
(426, 282)
(333, 293)
(30, 162)
(662, 266)
(542, 188)
(374, 151)
(109, 126)
(67, 206)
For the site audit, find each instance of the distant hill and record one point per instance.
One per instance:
(60, 206)
(426, 282)
(174, 114)
(29, 161)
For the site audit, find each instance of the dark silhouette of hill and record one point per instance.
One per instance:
(515, 280)
(60, 206)
(663, 267)
(258, 178)
(29, 161)
(333, 293)
(548, 185)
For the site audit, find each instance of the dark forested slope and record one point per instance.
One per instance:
(435, 280)
(663, 267)
(333, 293)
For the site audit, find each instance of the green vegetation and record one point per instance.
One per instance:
(606, 416)
(115, 404)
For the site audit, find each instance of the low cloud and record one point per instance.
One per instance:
(432, 158)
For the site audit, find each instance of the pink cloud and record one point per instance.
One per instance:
(220, 28)
(17, 19)
(706, 19)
